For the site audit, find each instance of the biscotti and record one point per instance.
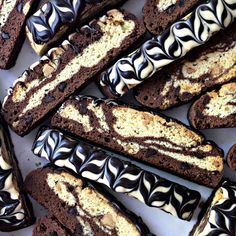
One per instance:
(118, 175)
(13, 15)
(144, 136)
(67, 68)
(231, 158)
(160, 14)
(170, 46)
(219, 217)
(80, 207)
(204, 68)
(56, 17)
(49, 226)
(15, 208)
(216, 109)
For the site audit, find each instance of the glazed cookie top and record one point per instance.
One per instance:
(173, 44)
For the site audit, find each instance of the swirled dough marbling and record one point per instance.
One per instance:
(216, 109)
(68, 67)
(219, 218)
(81, 208)
(120, 176)
(173, 44)
(144, 136)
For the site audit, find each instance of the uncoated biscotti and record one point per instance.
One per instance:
(144, 136)
(47, 83)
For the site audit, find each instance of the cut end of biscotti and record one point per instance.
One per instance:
(231, 158)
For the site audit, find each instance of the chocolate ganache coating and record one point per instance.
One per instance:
(47, 20)
(120, 176)
(171, 45)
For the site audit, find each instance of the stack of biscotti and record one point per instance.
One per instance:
(170, 46)
(120, 176)
(56, 17)
(65, 69)
(144, 136)
(80, 207)
(204, 68)
(218, 218)
(160, 14)
(15, 208)
(216, 109)
(13, 15)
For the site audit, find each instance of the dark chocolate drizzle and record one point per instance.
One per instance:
(95, 164)
(53, 15)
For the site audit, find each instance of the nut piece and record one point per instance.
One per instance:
(108, 221)
(48, 69)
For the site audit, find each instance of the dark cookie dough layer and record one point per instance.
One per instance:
(231, 157)
(144, 136)
(15, 208)
(13, 14)
(47, 83)
(219, 217)
(216, 109)
(118, 175)
(49, 226)
(79, 207)
(204, 68)
(61, 16)
(160, 14)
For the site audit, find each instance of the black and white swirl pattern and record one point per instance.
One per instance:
(173, 44)
(118, 175)
(45, 23)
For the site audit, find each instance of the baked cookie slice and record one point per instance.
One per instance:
(202, 69)
(216, 109)
(65, 69)
(231, 158)
(144, 136)
(15, 208)
(220, 215)
(81, 207)
(13, 15)
(160, 14)
(120, 176)
(56, 17)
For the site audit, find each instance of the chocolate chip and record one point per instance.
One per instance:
(19, 7)
(62, 86)
(48, 99)
(184, 166)
(151, 152)
(82, 108)
(170, 9)
(78, 229)
(29, 120)
(72, 211)
(5, 36)
(181, 3)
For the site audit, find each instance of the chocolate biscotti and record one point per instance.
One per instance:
(231, 158)
(15, 208)
(118, 175)
(144, 136)
(216, 109)
(80, 207)
(13, 14)
(65, 69)
(204, 68)
(171, 45)
(160, 14)
(55, 17)
(219, 218)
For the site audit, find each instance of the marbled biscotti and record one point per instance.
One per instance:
(170, 46)
(204, 68)
(144, 136)
(15, 208)
(13, 15)
(65, 69)
(160, 14)
(219, 217)
(80, 207)
(216, 109)
(49, 226)
(231, 157)
(56, 17)
(120, 176)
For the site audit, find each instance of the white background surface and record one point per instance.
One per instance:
(159, 222)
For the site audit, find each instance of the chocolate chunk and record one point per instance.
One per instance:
(181, 3)
(48, 99)
(5, 36)
(62, 86)
(72, 211)
(170, 9)
(151, 152)
(184, 166)
(28, 120)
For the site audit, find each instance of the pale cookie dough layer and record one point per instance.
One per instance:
(165, 4)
